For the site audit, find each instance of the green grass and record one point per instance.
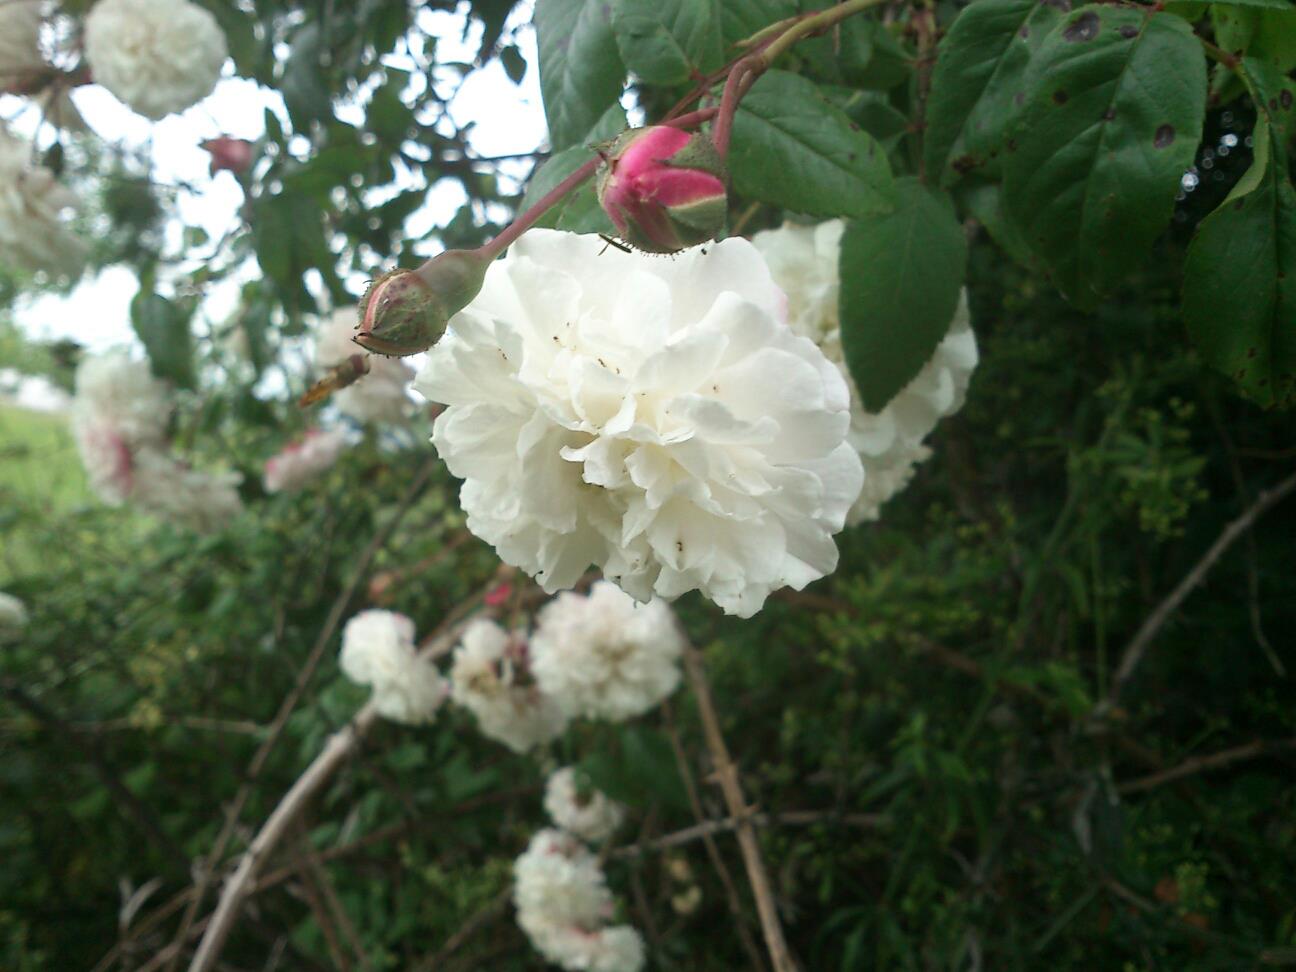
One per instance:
(40, 476)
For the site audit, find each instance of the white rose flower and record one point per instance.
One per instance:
(33, 234)
(380, 396)
(651, 417)
(20, 54)
(605, 656)
(804, 262)
(119, 408)
(589, 815)
(119, 419)
(558, 879)
(614, 949)
(378, 650)
(114, 389)
(562, 903)
(13, 613)
(157, 56)
(491, 678)
(298, 463)
(175, 492)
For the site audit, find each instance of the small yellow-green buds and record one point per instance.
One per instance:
(406, 311)
(663, 188)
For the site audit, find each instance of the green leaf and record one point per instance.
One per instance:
(739, 21)
(785, 126)
(163, 329)
(303, 85)
(1239, 288)
(668, 41)
(514, 63)
(984, 202)
(900, 278)
(1113, 115)
(581, 73)
(979, 71)
(1265, 4)
(579, 212)
(1269, 34)
(1274, 94)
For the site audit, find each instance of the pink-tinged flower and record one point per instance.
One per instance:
(231, 154)
(106, 457)
(300, 462)
(663, 189)
(498, 595)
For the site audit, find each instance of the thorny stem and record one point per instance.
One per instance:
(746, 71)
(555, 195)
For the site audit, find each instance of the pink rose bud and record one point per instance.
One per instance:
(663, 188)
(232, 154)
(406, 311)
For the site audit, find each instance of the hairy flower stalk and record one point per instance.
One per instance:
(663, 189)
(406, 311)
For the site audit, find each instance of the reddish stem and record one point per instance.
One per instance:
(528, 219)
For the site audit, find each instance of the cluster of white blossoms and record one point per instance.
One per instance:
(563, 904)
(156, 56)
(13, 613)
(491, 677)
(378, 650)
(652, 417)
(33, 232)
(119, 420)
(804, 263)
(380, 396)
(301, 462)
(603, 656)
(20, 54)
(580, 810)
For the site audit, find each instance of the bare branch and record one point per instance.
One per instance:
(1142, 640)
(1203, 764)
(731, 786)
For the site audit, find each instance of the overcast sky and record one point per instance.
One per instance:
(508, 119)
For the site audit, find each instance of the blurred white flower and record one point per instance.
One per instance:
(20, 54)
(170, 489)
(113, 388)
(380, 396)
(603, 656)
(33, 234)
(804, 262)
(562, 903)
(13, 613)
(378, 650)
(618, 948)
(651, 417)
(119, 418)
(156, 56)
(298, 463)
(491, 678)
(584, 812)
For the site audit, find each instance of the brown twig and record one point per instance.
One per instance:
(337, 749)
(275, 730)
(316, 875)
(483, 918)
(731, 787)
(802, 818)
(1143, 639)
(1204, 764)
(754, 954)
